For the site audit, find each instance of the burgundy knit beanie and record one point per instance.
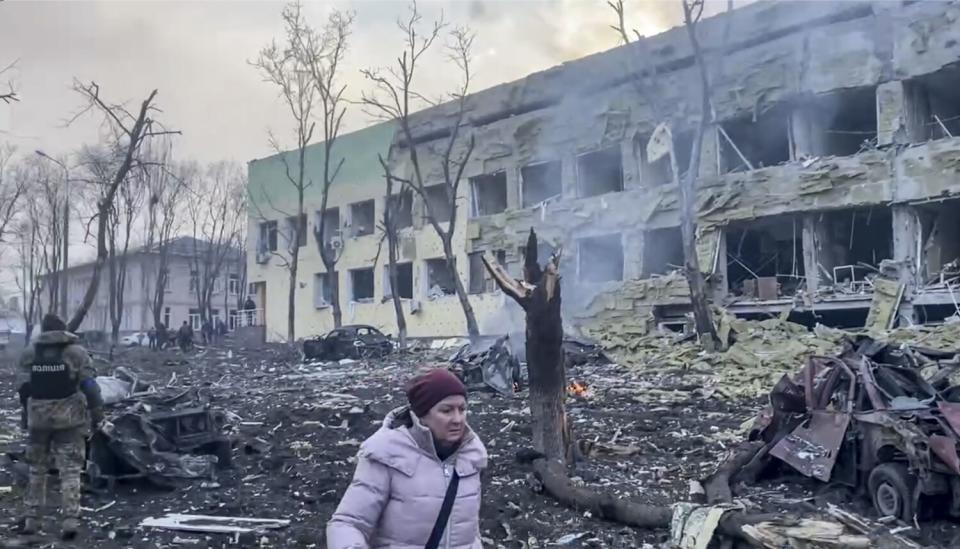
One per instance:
(425, 391)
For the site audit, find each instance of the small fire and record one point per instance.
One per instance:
(577, 389)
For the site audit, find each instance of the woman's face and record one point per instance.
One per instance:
(447, 420)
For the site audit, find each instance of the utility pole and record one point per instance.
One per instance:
(66, 232)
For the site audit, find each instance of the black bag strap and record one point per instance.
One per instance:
(445, 510)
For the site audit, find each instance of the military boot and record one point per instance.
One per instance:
(69, 528)
(30, 526)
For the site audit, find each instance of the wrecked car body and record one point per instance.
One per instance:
(354, 341)
(869, 420)
(489, 364)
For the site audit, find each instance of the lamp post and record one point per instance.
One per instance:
(66, 231)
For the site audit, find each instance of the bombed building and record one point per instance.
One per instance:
(830, 178)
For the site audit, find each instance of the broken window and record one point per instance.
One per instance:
(295, 231)
(662, 251)
(331, 227)
(940, 227)
(194, 281)
(322, 289)
(600, 258)
(540, 181)
(851, 121)
(852, 243)
(361, 284)
(765, 257)
(674, 318)
(402, 209)
(194, 317)
(438, 199)
(362, 218)
(600, 172)
(480, 279)
(233, 284)
(440, 279)
(268, 236)
(488, 194)
(660, 172)
(404, 281)
(754, 142)
(932, 99)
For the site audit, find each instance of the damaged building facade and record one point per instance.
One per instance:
(833, 162)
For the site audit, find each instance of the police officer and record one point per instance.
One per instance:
(63, 401)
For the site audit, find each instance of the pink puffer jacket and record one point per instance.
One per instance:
(398, 488)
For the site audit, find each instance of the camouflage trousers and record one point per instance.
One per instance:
(66, 447)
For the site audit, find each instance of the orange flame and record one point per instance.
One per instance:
(577, 389)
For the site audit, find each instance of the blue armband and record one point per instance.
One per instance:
(88, 383)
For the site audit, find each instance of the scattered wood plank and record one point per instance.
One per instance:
(213, 525)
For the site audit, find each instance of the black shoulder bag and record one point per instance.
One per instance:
(437, 533)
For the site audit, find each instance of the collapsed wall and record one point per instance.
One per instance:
(834, 137)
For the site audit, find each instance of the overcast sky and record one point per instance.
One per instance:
(196, 53)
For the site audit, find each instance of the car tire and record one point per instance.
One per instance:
(893, 490)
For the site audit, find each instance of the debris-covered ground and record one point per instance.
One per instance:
(646, 432)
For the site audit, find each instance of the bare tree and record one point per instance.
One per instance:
(30, 272)
(101, 163)
(166, 186)
(322, 52)
(12, 189)
(391, 233)
(48, 192)
(394, 97)
(291, 74)
(31, 232)
(11, 94)
(216, 213)
(130, 132)
(687, 183)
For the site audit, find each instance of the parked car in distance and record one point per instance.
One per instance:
(354, 341)
(134, 340)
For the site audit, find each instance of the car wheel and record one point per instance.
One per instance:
(893, 490)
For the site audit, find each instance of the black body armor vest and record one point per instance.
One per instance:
(50, 378)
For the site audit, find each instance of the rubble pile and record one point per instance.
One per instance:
(759, 353)
(294, 429)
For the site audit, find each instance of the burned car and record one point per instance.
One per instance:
(354, 341)
(869, 420)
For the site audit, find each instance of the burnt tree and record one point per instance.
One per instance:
(538, 294)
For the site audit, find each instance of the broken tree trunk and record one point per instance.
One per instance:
(717, 485)
(539, 296)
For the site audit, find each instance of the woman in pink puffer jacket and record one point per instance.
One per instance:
(403, 471)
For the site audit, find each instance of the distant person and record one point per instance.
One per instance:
(152, 338)
(221, 329)
(250, 307)
(63, 402)
(185, 336)
(424, 460)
